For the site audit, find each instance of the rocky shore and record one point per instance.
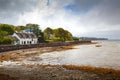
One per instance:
(18, 70)
(54, 72)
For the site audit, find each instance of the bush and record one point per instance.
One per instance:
(1, 41)
(75, 38)
(6, 41)
(57, 39)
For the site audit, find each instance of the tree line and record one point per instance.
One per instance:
(58, 34)
(5, 31)
(48, 35)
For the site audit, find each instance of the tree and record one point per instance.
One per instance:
(60, 34)
(10, 29)
(33, 28)
(68, 36)
(7, 41)
(19, 28)
(48, 33)
(41, 36)
(3, 34)
(36, 30)
(5, 30)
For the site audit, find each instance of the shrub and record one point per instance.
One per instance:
(1, 41)
(56, 39)
(6, 41)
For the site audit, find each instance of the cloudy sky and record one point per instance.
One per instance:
(92, 18)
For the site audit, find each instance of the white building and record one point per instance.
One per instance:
(23, 38)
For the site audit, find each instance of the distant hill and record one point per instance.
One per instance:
(92, 38)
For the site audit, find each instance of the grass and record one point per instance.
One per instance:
(96, 70)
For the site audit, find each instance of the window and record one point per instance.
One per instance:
(27, 42)
(30, 42)
(24, 42)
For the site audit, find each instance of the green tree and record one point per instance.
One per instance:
(7, 41)
(60, 34)
(5, 30)
(40, 36)
(48, 33)
(10, 29)
(36, 30)
(3, 34)
(33, 28)
(20, 28)
(68, 36)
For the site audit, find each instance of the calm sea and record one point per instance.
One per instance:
(108, 55)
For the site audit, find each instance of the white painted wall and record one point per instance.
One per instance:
(23, 41)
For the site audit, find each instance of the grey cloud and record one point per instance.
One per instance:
(105, 15)
(109, 12)
(97, 15)
(81, 4)
(105, 11)
(12, 7)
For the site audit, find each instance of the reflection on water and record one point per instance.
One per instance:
(108, 55)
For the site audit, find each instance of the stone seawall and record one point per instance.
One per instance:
(4, 48)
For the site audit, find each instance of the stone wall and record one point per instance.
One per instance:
(4, 48)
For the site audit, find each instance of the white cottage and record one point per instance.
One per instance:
(23, 38)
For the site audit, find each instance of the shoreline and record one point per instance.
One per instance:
(57, 72)
(6, 48)
(25, 71)
(20, 55)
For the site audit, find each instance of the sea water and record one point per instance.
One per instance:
(107, 55)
